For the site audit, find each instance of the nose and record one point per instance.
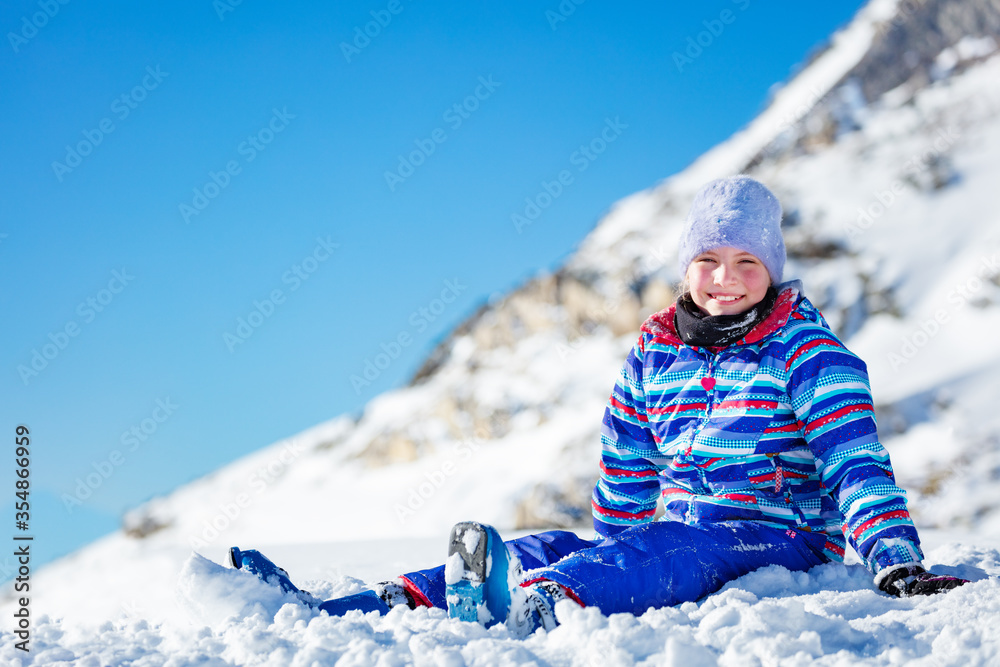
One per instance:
(723, 275)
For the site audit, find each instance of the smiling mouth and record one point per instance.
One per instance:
(726, 299)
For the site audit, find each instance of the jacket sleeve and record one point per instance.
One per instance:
(831, 397)
(626, 492)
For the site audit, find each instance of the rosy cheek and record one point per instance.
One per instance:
(755, 276)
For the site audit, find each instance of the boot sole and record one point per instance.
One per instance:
(479, 592)
(465, 596)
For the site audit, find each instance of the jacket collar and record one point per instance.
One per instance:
(661, 325)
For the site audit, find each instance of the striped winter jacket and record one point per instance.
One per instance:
(777, 428)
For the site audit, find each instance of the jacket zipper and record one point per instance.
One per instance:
(710, 390)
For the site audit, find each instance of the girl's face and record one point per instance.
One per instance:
(727, 281)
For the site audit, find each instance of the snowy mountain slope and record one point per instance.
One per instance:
(530, 372)
(888, 182)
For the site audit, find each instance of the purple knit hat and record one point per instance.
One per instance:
(738, 212)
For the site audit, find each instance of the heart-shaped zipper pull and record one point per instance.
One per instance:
(708, 383)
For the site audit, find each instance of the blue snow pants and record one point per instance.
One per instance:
(656, 564)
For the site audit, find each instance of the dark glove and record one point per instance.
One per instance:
(915, 580)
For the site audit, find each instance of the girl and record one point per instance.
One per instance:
(744, 412)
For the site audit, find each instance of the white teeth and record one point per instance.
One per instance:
(726, 298)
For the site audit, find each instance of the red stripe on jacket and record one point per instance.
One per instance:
(810, 345)
(787, 428)
(898, 514)
(738, 497)
(747, 403)
(620, 472)
(837, 414)
(622, 515)
(624, 408)
(675, 409)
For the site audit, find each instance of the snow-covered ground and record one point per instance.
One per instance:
(831, 615)
(904, 205)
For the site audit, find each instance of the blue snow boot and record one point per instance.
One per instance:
(255, 562)
(480, 574)
(381, 598)
(365, 601)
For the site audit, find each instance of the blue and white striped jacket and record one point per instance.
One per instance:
(777, 428)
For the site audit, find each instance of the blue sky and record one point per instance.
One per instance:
(170, 170)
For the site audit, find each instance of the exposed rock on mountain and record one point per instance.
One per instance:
(883, 151)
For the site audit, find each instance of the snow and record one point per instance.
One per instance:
(483, 613)
(831, 615)
(968, 48)
(454, 566)
(916, 292)
(471, 541)
(789, 104)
